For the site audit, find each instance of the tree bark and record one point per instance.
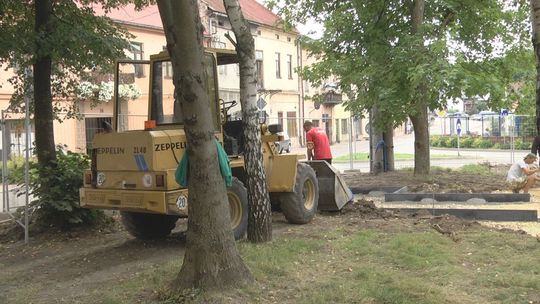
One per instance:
(260, 214)
(43, 111)
(388, 137)
(420, 117)
(535, 25)
(211, 260)
(375, 138)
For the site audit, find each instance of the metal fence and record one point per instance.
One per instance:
(485, 125)
(350, 145)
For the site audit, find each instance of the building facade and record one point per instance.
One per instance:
(283, 98)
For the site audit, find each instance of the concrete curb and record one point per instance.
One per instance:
(458, 197)
(386, 189)
(479, 214)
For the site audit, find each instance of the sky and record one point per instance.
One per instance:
(311, 29)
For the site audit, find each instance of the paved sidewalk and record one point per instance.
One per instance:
(405, 144)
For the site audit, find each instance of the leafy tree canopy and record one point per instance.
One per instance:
(79, 42)
(464, 48)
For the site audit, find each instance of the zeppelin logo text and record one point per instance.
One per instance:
(110, 150)
(168, 146)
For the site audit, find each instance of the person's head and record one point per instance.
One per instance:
(308, 125)
(530, 158)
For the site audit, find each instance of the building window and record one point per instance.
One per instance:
(259, 68)
(167, 68)
(278, 65)
(344, 126)
(213, 26)
(93, 126)
(259, 33)
(315, 122)
(222, 70)
(277, 36)
(291, 124)
(280, 118)
(289, 66)
(136, 50)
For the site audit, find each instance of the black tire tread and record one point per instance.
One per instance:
(148, 226)
(291, 202)
(239, 188)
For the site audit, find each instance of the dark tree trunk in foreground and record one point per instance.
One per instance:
(420, 117)
(43, 111)
(211, 260)
(260, 219)
(535, 25)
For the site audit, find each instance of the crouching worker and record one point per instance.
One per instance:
(521, 176)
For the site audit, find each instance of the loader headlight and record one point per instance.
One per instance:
(147, 180)
(100, 179)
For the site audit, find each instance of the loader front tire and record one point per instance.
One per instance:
(300, 206)
(238, 208)
(148, 226)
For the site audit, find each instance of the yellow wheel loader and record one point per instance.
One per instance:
(134, 159)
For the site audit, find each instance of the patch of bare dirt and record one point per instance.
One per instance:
(366, 209)
(439, 181)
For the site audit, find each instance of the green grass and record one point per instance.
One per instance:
(481, 169)
(397, 156)
(358, 266)
(371, 266)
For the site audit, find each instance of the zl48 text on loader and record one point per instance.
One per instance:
(133, 167)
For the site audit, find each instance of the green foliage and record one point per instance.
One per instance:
(481, 169)
(57, 191)
(15, 167)
(379, 60)
(481, 143)
(445, 141)
(451, 142)
(466, 142)
(519, 144)
(435, 141)
(79, 42)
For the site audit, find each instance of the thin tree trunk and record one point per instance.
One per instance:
(420, 117)
(43, 112)
(211, 260)
(260, 220)
(388, 137)
(535, 25)
(376, 138)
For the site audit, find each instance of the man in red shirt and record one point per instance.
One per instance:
(318, 147)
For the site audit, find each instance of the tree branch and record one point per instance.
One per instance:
(228, 36)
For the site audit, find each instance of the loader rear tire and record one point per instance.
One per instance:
(300, 206)
(148, 226)
(238, 208)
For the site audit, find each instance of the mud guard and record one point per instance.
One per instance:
(333, 192)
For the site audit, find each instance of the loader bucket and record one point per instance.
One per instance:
(333, 192)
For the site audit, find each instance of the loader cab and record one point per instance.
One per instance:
(163, 107)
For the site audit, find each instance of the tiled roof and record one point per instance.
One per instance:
(149, 16)
(253, 11)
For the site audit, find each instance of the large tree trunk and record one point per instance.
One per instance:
(211, 260)
(535, 25)
(260, 220)
(420, 117)
(43, 112)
